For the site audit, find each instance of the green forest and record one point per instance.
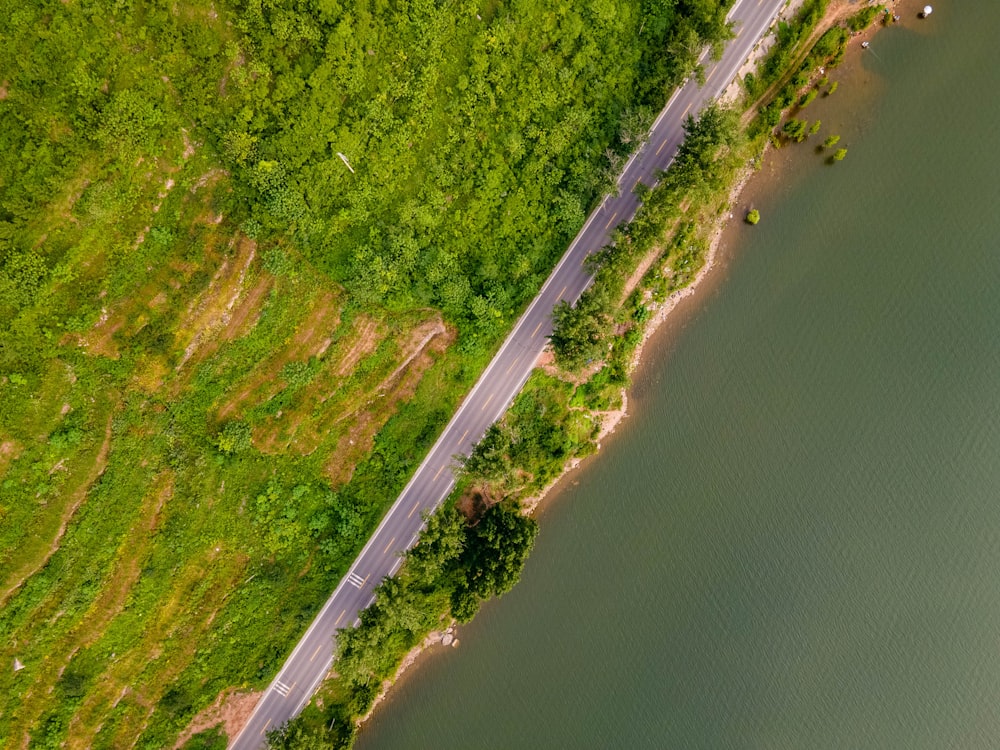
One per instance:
(252, 254)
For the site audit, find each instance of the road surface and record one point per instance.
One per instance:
(499, 384)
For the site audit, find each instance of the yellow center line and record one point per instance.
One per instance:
(563, 290)
(316, 652)
(488, 400)
(536, 330)
(686, 110)
(463, 436)
(516, 360)
(637, 183)
(417, 505)
(435, 479)
(340, 618)
(391, 542)
(611, 220)
(266, 726)
(661, 146)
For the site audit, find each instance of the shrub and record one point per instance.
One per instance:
(795, 129)
(234, 438)
(753, 216)
(863, 18)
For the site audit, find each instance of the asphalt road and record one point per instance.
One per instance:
(496, 388)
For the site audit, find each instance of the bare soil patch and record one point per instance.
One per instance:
(212, 310)
(367, 334)
(231, 709)
(9, 451)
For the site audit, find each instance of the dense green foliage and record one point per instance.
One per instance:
(210, 739)
(479, 136)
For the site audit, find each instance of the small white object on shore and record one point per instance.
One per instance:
(18, 666)
(927, 11)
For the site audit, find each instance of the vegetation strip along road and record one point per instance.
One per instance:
(500, 383)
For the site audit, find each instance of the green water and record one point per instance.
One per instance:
(794, 541)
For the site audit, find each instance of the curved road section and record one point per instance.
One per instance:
(496, 388)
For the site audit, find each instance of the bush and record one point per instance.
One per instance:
(832, 141)
(795, 130)
(839, 156)
(753, 216)
(234, 438)
(863, 18)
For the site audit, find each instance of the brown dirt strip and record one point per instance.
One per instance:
(231, 709)
(213, 308)
(9, 451)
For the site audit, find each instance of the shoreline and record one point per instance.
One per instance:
(612, 419)
(835, 12)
